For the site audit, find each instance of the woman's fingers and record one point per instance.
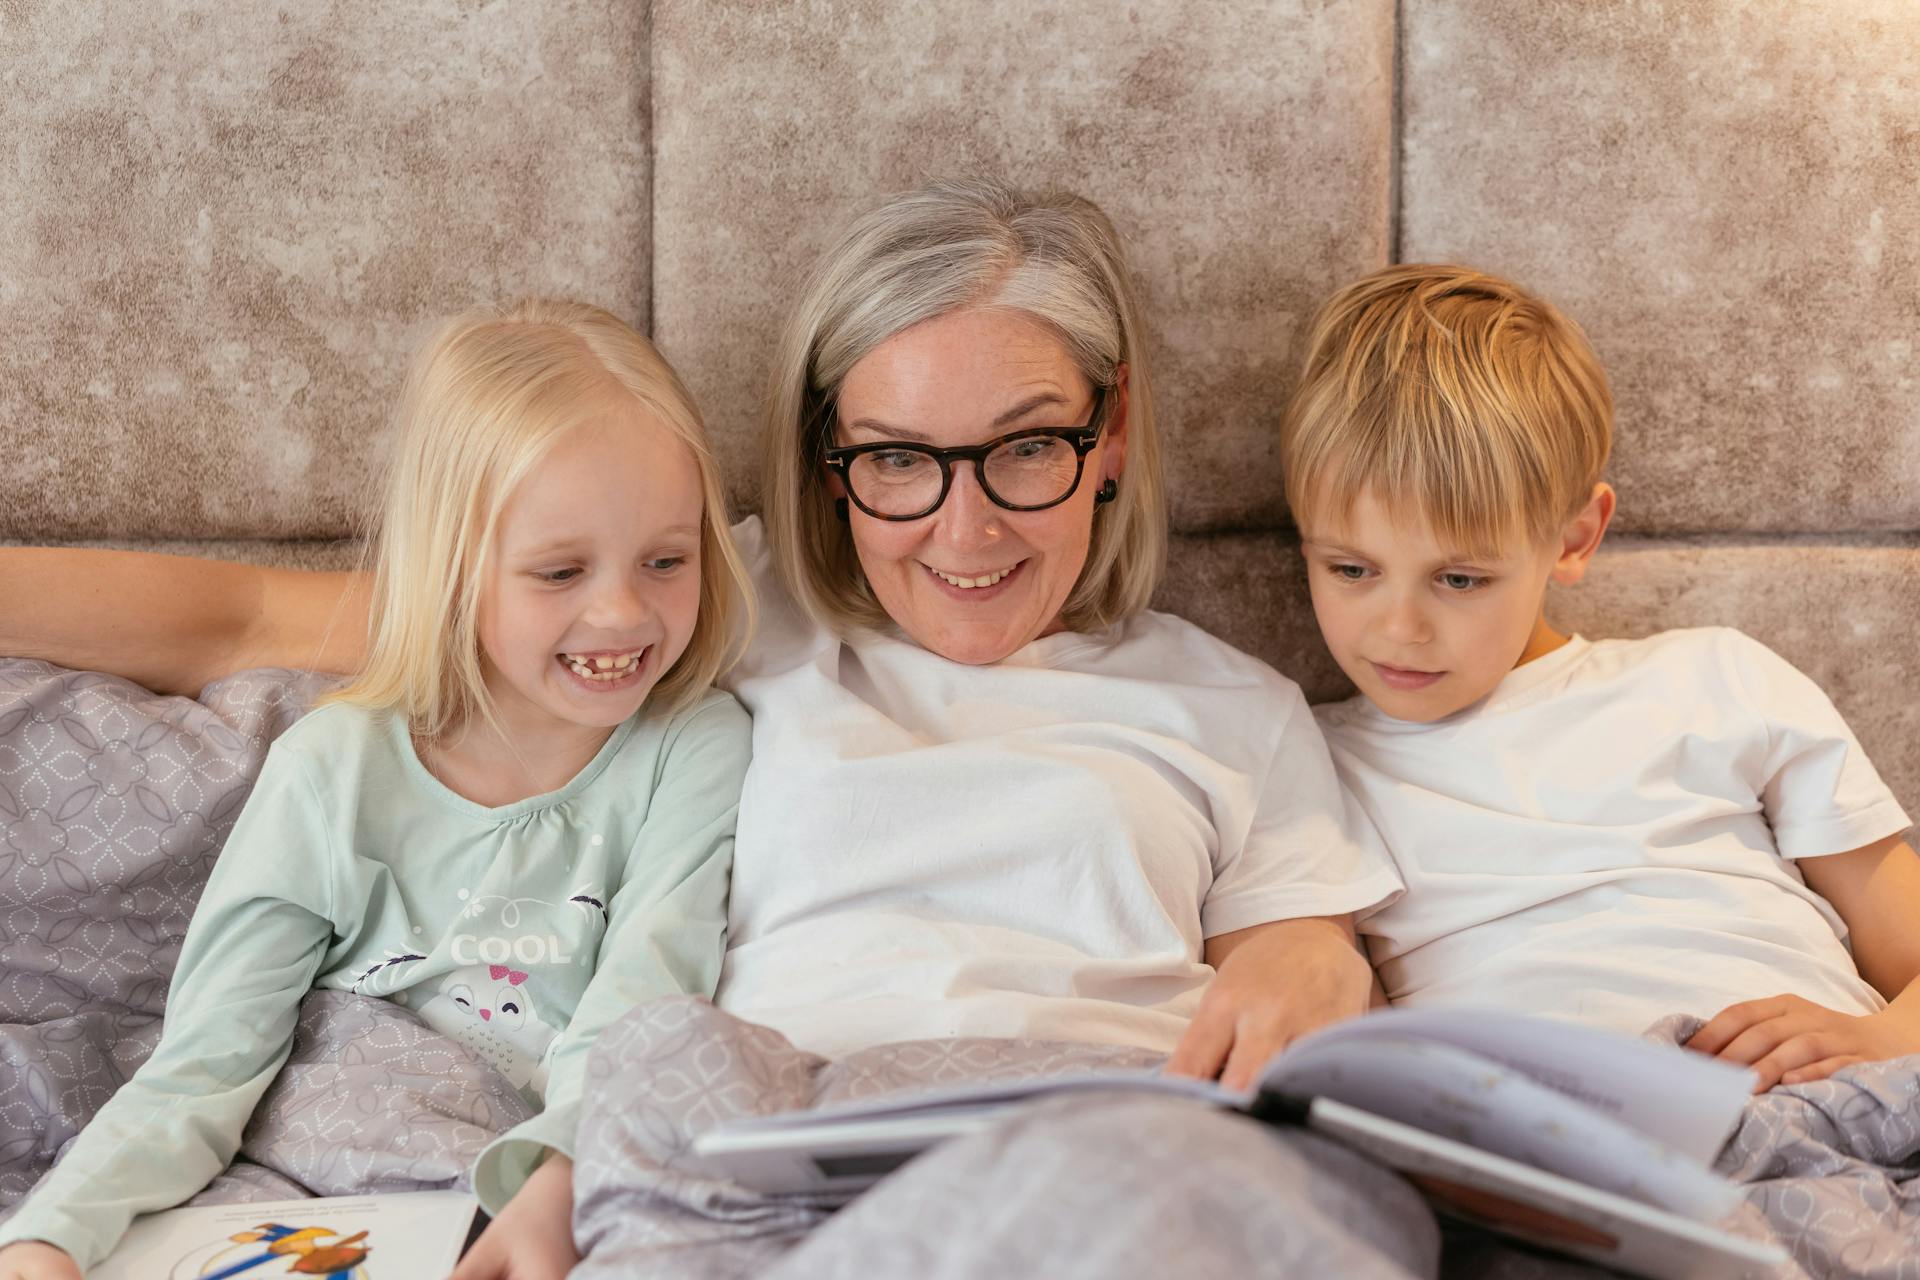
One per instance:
(1204, 1047)
(1251, 1049)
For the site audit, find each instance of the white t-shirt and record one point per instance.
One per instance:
(1035, 848)
(1608, 836)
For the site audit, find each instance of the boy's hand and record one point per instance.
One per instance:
(532, 1239)
(1788, 1040)
(32, 1260)
(1276, 982)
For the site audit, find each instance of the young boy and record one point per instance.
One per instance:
(1605, 831)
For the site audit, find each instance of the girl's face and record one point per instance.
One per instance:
(961, 379)
(595, 584)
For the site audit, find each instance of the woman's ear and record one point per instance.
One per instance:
(835, 485)
(1113, 437)
(1582, 534)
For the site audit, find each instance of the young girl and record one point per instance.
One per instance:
(517, 819)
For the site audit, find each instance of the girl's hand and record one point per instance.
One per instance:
(1276, 982)
(32, 1260)
(532, 1239)
(1788, 1040)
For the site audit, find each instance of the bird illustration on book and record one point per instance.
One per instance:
(301, 1250)
(489, 1009)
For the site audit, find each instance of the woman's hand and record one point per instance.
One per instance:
(1788, 1040)
(1275, 982)
(532, 1239)
(33, 1260)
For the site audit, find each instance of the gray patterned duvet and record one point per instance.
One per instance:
(1832, 1169)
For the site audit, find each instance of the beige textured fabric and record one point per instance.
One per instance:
(1243, 149)
(1727, 196)
(223, 227)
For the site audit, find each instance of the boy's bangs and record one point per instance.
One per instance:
(1477, 499)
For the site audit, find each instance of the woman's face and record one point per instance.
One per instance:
(962, 379)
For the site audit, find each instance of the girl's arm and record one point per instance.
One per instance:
(175, 623)
(1788, 1040)
(530, 1239)
(665, 936)
(257, 940)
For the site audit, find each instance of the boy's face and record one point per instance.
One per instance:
(1422, 628)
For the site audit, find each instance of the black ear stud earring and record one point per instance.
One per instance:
(1108, 492)
(840, 509)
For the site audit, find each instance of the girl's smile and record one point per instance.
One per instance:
(606, 672)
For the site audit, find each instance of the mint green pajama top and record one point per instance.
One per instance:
(520, 931)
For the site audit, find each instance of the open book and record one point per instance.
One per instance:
(1576, 1140)
(415, 1235)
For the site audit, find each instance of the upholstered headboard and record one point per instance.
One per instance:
(227, 224)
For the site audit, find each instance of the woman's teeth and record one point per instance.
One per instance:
(603, 668)
(968, 584)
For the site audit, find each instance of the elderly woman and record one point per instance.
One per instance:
(992, 795)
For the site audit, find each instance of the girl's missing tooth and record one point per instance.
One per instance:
(517, 819)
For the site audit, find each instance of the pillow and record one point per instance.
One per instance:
(114, 803)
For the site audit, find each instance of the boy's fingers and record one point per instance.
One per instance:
(1724, 1026)
(1757, 1042)
(1820, 1070)
(1799, 1051)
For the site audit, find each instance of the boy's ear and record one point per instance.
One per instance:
(1582, 534)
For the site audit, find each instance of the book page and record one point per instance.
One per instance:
(404, 1236)
(1459, 1095)
(1688, 1101)
(927, 1102)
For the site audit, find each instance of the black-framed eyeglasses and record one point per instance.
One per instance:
(1028, 470)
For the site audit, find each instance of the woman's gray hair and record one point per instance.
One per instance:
(974, 242)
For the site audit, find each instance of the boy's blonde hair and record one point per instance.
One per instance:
(975, 242)
(488, 397)
(1452, 395)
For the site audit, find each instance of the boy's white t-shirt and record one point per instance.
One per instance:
(1035, 848)
(1609, 835)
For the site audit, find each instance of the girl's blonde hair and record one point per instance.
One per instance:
(972, 243)
(1451, 394)
(488, 396)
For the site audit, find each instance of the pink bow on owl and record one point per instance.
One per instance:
(499, 971)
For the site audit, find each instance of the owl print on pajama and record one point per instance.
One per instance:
(489, 1009)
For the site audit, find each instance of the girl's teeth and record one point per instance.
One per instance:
(602, 668)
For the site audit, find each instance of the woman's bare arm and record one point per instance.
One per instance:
(174, 623)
